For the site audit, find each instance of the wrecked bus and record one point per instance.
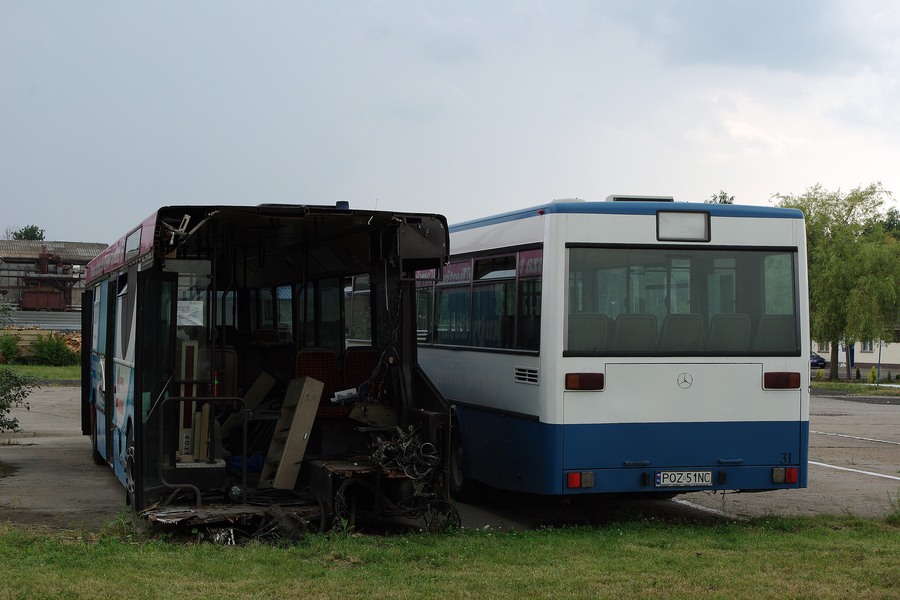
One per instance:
(220, 381)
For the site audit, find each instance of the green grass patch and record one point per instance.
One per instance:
(854, 388)
(44, 373)
(821, 557)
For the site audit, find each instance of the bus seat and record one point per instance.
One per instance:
(321, 364)
(359, 365)
(681, 333)
(588, 331)
(635, 332)
(729, 334)
(776, 333)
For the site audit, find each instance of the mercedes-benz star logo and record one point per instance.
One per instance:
(685, 381)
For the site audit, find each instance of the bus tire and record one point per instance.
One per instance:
(129, 467)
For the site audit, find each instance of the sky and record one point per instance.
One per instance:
(111, 109)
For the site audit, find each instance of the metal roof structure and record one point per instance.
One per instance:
(68, 252)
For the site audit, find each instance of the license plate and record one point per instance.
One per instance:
(683, 478)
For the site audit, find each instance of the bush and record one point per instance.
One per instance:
(858, 375)
(14, 388)
(9, 348)
(872, 376)
(52, 350)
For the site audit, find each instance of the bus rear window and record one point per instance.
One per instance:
(681, 301)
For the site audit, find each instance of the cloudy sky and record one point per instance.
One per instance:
(110, 109)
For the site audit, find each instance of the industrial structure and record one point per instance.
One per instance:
(42, 275)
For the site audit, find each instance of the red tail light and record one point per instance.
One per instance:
(778, 380)
(790, 475)
(584, 381)
(580, 479)
(785, 474)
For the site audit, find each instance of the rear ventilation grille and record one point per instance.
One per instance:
(524, 375)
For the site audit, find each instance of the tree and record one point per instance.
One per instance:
(29, 232)
(854, 266)
(891, 222)
(720, 198)
(14, 389)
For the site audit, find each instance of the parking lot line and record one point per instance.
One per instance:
(854, 470)
(856, 437)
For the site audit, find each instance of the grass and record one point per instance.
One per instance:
(44, 373)
(853, 388)
(823, 557)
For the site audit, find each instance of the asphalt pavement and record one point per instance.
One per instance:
(47, 475)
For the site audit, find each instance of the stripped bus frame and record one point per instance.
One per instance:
(196, 305)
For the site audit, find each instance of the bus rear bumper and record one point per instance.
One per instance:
(683, 479)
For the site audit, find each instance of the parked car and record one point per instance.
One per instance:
(816, 361)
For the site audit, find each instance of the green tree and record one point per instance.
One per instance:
(720, 198)
(14, 389)
(5, 311)
(29, 232)
(854, 266)
(891, 222)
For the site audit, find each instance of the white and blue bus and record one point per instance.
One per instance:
(636, 345)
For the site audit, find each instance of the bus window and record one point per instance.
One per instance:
(425, 304)
(358, 312)
(330, 335)
(453, 316)
(225, 308)
(779, 284)
(627, 286)
(493, 307)
(284, 313)
(265, 310)
(528, 323)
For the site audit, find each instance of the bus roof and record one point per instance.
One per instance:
(631, 208)
(316, 223)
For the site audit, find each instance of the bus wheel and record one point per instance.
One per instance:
(129, 468)
(461, 487)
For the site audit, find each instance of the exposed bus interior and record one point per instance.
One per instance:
(274, 365)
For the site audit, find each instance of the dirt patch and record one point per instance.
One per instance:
(6, 469)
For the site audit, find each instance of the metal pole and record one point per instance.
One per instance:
(878, 379)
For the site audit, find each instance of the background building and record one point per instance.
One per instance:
(42, 275)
